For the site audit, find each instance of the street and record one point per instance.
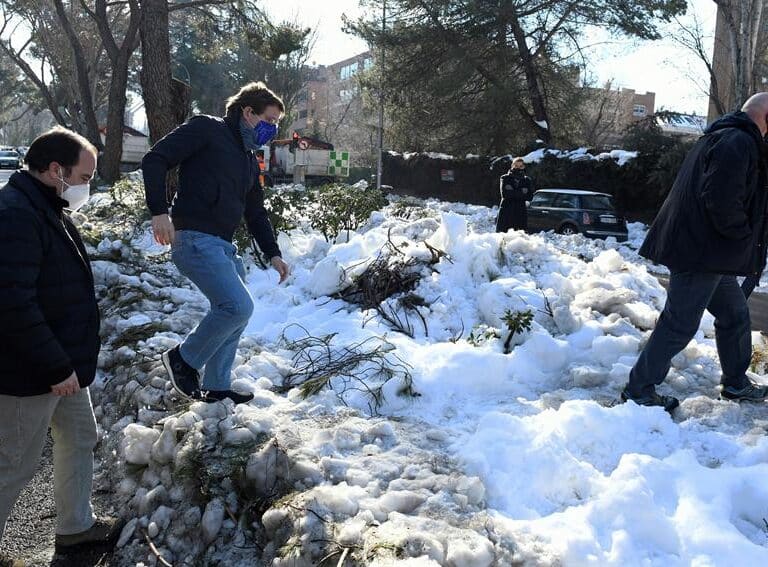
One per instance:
(5, 175)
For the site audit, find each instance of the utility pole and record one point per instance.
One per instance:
(381, 96)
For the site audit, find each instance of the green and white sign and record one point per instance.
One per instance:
(339, 164)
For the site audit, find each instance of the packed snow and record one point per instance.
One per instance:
(494, 458)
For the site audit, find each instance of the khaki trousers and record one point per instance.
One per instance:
(24, 423)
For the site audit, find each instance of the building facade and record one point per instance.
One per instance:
(331, 107)
(608, 112)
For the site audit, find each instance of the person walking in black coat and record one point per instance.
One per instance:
(711, 229)
(49, 336)
(218, 187)
(516, 188)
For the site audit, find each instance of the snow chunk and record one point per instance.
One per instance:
(213, 517)
(137, 443)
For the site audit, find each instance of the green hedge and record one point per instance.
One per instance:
(639, 187)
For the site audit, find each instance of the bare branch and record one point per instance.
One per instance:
(194, 3)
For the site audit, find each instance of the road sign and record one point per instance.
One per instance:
(339, 164)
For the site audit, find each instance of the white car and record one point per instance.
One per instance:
(10, 159)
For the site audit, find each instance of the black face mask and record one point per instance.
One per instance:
(516, 171)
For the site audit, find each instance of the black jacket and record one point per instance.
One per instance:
(49, 318)
(218, 180)
(515, 189)
(714, 218)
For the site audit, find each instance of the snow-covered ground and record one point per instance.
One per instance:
(500, 459)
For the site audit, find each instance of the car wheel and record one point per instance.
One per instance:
(568, 230)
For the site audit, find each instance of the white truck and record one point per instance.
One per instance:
(304, 160)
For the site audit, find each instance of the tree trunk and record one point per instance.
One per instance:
(83, 81)
(119, 58)
(540, 118)
(113, 150)
(743, 28)
(156, 75)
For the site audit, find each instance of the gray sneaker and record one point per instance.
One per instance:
(750, 393)
(669, 403)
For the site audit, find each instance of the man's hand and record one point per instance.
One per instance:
(162, 228)
(282, 268)
(68, 387)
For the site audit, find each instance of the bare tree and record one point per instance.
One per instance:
(13, 21)
(603, 113)
(119, 52)
(691, 36)
(740, 45)
(83, 78)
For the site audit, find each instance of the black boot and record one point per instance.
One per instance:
(650, 399)
(185, 379)
(212, 396)
(751, 392)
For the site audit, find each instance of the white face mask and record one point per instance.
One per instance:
(75, 195)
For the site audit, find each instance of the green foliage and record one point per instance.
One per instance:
(481, 334)
(343, 207)
(517, 323)
(329, 209)
(220, 48)
(458, 70)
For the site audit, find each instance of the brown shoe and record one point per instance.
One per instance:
(104, 532)
(8, 561)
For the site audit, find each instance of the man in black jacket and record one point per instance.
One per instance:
(516, 188)
(711, 228)
(218, 185)
(49, 335)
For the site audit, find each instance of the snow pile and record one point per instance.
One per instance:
(493, 458)
(621, 157)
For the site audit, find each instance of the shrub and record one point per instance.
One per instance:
(344, 207)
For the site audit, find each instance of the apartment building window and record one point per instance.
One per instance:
(639, 110)
(348, 71)
(367, 63)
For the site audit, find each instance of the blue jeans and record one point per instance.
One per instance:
(688, 296)
(214, 266)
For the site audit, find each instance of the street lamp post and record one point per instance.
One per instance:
(381, 97)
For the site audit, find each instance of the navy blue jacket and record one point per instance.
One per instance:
(714, 218)
(49, 318)
(218, 180)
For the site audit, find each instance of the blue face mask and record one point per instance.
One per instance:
(264, 132)
(254, 138)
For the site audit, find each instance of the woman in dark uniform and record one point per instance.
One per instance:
(516, 188)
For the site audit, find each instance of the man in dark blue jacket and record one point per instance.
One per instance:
(49, 336)
(711, 228)
(218, 185)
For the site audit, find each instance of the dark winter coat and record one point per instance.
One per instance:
(714, 218)
(49, 318)
(516, 188)
(218, 180)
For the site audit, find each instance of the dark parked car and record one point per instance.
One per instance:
(573, 211)
(10, 159)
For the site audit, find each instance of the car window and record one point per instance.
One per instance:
(8, 154)
(543, 199)
(566, 201)
(596, 202)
